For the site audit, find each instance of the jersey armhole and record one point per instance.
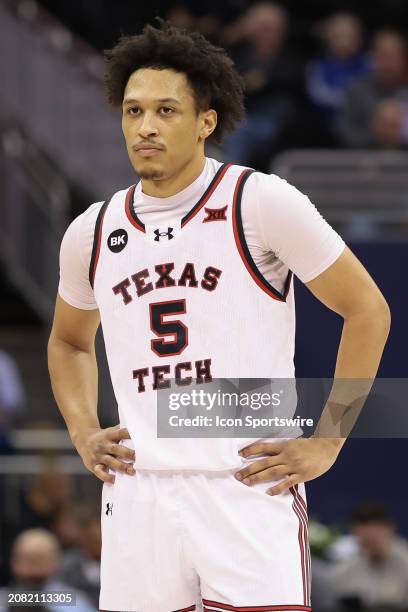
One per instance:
(243, 249)
(96, 247)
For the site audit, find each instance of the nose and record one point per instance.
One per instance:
(147, 126)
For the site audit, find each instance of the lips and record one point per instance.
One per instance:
(147, 145)
(148, 151)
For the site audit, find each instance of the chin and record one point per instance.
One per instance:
(150, 172)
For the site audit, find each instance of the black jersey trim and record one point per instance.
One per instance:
(206, 195)
(96, 247)
(243, 247)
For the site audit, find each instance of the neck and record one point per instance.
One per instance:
(174, 184)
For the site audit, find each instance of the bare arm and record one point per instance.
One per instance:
(72, 365)
(347, 289)
(74, 379)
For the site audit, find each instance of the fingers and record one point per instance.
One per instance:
(118, 451)
(290, 481)
(264, 475)
(262, 448)
(101, 472)
(117, 433)
(116, 465)
(105, 454)
(258, 466)
(102, 453)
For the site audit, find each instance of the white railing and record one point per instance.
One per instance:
(366, 192)
(29, 465)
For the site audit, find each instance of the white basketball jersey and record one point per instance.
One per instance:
(185, 302)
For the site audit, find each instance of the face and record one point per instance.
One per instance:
(266, 28)
(162, 130)
(390, 61)
(374, 539)
(34, 561)
(387, 124)
(344, 37)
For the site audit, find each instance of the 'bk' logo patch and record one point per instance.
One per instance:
(215, 214)
(117, 240)
(159, 235)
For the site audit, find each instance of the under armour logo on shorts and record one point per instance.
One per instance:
(109, 508)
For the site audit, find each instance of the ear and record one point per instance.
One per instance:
(208, 123)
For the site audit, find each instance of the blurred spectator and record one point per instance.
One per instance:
(80, 566)
(40, 504)
(34, 564)
(377, 575)
(12, 399)
(67, 526)
(271, 81)
(208, 24)
(359, 125)
(323, 597)
(388, 126)
(46, 495)
(342, 548)
(180, 16)
(344, 61)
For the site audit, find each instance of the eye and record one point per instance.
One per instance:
(166, 110)
(133, 110)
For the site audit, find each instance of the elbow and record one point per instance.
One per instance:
(382, 313)
(50, 353)
(386, 317)
(378, 316)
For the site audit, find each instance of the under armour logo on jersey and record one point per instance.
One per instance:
(215, 214)
(117, 240)
(109, 508)
(158, 234)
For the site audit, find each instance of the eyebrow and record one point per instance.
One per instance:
(161, 100)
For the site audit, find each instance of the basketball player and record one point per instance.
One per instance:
(190, 273)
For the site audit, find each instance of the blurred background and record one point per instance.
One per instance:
(327, 109)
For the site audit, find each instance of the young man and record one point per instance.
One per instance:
(190, 273)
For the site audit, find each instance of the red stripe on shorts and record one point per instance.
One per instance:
(303, 543)
(303, 505)
(217, 605)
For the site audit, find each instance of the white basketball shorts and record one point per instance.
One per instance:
(184, 541)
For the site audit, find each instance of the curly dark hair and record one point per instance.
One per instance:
(210, 71)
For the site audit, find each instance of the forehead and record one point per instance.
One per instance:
(389, 44)
(149, 84)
